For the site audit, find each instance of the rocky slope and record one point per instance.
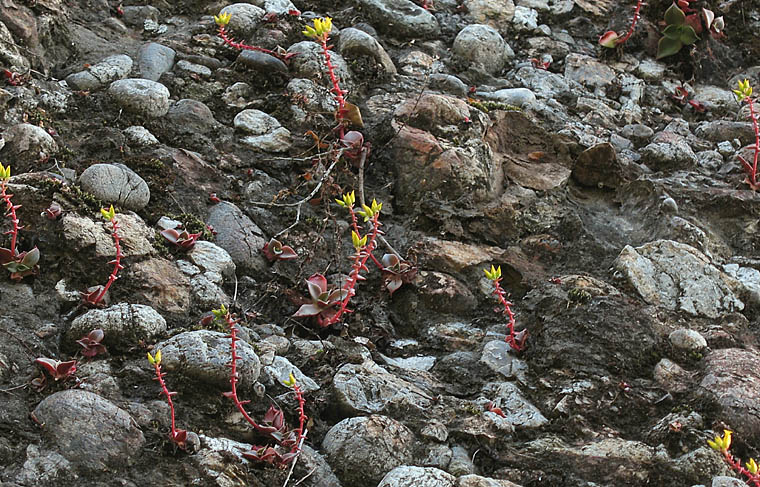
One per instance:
(501, 134)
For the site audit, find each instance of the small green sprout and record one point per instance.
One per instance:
(494, 273)
(358, 242)
(219, 313)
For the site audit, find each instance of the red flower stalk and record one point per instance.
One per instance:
(19, 264)
(364, 247)
(611, 39)
(232, 393)
(10, 210)
(223, 19)
(95, 296)
(320, 32)
(274, 422)
(300, 432)
(744, 93)
(179, 437)
(515, 340)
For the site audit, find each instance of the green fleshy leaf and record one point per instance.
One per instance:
(688, 36)
(674, 15)
(667, 47)
(672, 32)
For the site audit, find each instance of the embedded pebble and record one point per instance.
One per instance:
(141, 96)
(101, 73)
(89, 431)
(155, 59)
(123, 324)
(482, 45)
(116, 183)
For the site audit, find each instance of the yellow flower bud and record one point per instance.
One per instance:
(752, 466)
(222, 19)
(494, 273)
(744, 91)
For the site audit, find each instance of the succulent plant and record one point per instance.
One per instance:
(323, 300)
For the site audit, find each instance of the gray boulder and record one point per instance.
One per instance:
(116, 183)
(91, 432)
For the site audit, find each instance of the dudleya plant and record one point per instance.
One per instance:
(677, 33)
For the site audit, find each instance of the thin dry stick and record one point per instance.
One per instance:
(382, 239)
(293, 465)
(299, 203)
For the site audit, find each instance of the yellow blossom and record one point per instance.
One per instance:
(321, 28)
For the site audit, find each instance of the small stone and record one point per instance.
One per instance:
(116, 183)
(264, 64)
(135, 16)
(29, 143)
(402, 19)
(123, 324)
(598, 166)
(354, 42)
(91, 432)
(525, 19)
(139, 135)
(206, 293)
(255, 122)
(239, 236)
(687, 340)
(280, 369)
(407, 476)
(101, 73)
(155, 59)
(448, 84)
(185, 66)
(362, 449)
(461, 463)
(245, 18)
(204, 355)
(638, 133)
(191, 116)
(483, 46)
(650, 70)
(141, 96)
(212, 258)
(496, 13)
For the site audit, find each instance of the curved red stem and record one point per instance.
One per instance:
(165, 391)
(116, 262)
(501, 296)
(636, 16)
(11, 214)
